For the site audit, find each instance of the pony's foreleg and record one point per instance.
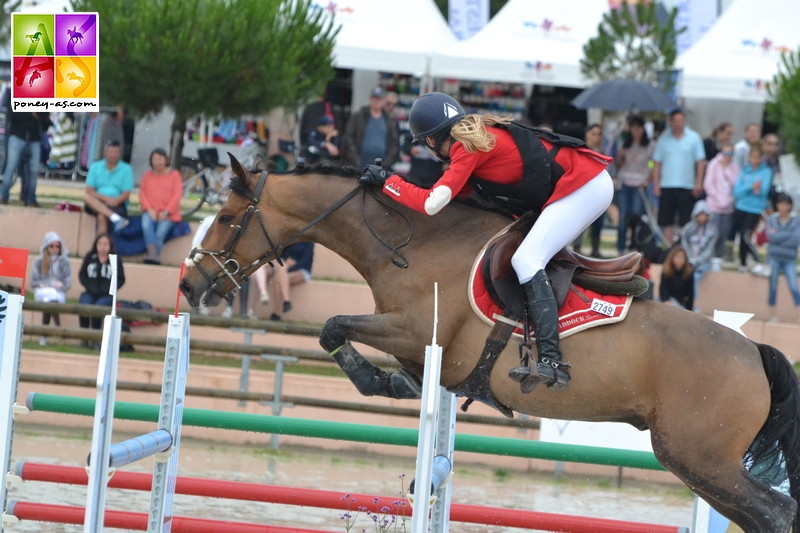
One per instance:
(369, 379)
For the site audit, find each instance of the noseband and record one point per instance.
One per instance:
(229, 267)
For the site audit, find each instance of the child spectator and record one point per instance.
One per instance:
(699, 239)
(52, 276)
(720, 179)
(751, 193)
(296, 269)
(677, 283)
(160, 197)
(95, 276)
(783, 234)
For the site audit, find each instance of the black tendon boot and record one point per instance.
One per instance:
(541, 306)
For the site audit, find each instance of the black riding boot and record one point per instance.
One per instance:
(543, 313)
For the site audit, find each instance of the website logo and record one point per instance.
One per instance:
(55, 62)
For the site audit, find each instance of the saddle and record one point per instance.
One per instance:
(563, 269)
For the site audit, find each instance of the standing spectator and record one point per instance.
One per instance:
(594, 140)
(721, 135)
(741, 150)
(296, 269)
(322, 143)
(721, 178)
(108, 187)
(371, 133)
(24, 137)
(699, 239)
(633, 173)
(769, 145)
(677, 282)
(783, 234)
(52, 276)
(160, 198)
(680, 162)
(751, 193)
(95, 276)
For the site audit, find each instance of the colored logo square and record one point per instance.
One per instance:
(33, 34)
(33, 77)
(76, 34)
(76, 77)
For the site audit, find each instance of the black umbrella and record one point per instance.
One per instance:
(624, 95)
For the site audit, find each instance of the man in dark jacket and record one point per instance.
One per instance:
(371, 133)
(24, 133)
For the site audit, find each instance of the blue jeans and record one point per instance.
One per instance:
(155, 232)
(16, 147)
(789, 269)
(629, 202)
(88, 299)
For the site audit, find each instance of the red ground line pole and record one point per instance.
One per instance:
(66, 514)
(236, 490)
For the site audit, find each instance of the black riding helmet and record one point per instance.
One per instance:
(433, 114)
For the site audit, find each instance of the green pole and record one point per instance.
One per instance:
(322, 429)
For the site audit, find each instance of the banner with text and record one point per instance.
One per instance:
(55, 62)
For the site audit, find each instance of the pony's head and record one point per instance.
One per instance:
(236, 244)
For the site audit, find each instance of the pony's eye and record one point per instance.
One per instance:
(226, 219)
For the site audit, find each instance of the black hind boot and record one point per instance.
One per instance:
(543, 313)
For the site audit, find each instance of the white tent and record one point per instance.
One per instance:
(740, 53)
(387, 36)
(528, 41)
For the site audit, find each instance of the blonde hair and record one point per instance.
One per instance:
(45, 263)
(472, 133)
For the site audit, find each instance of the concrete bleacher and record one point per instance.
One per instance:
(337, 288)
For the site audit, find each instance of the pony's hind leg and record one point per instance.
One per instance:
(731, 490)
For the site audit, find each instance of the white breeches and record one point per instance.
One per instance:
(560, 223)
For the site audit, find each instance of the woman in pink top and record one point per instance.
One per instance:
(160, 196)
(721, 176)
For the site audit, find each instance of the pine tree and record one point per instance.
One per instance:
(631, 44)
(785, 105)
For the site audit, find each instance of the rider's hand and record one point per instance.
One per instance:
(374, 175)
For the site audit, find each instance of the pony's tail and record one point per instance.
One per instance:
(781, 431)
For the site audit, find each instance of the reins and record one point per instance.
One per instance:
(224, 260)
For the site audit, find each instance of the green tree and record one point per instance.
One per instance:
(211, 57)
(9, 6)
(785, 105)
(631, 44)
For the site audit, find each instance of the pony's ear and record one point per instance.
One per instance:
(237, 168)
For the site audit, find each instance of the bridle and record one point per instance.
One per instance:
(229, 267)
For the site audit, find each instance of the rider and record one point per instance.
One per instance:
(521, 169)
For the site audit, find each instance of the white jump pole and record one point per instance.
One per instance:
(432, 481)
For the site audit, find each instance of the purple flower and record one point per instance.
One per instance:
(385, 509)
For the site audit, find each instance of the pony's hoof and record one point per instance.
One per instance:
(519, 373)
(529, 384)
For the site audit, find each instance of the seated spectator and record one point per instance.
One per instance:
(699, 239)
(52, 276)
(95, 276)
(160, 198)
(108, 187)
(718, 184)
(783, 234)
(296, 269)
(677, 283)
(323, 142)
(751, 193)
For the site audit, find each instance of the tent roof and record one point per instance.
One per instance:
(740, 53)
(384, 35)
(528, 41)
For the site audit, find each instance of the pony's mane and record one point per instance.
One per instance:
(239, 187)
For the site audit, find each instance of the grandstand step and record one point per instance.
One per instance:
(25, 228)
